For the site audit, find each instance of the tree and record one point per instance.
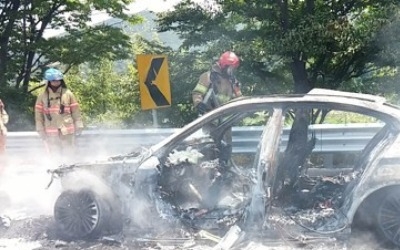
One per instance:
(108, 96)
(320, 43)
(25, 50)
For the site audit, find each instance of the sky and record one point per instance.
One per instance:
(153, 5)
(137, 6)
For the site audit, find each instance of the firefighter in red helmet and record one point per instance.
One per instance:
(221, 80)
(216, 87)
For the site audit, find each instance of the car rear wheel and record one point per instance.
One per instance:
(83, 215)
(388, 218)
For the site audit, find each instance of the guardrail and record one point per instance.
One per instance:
(330, 139)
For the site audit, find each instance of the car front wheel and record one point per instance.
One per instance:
(84, 215)
(388, 218)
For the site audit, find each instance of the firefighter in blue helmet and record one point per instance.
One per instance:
(57, 115)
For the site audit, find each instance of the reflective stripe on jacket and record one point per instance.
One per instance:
(51, 118)
(224, 91)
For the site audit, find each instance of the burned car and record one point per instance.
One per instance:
(259, 165)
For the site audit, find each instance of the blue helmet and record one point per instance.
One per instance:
(53, 74)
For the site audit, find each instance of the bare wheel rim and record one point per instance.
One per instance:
(78, 213)
(389, 218)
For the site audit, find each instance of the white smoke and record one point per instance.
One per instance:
(23, 189)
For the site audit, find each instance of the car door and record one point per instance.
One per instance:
(265, 165)
(212, 170)
(324, 152)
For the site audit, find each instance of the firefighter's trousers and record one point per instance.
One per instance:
(2, 144)
(61, 147)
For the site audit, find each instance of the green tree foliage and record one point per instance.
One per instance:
(19, 108)
(312, 43)
(24, 50)
(108, 97)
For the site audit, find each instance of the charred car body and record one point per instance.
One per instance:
(204, 179)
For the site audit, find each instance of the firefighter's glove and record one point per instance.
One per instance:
(201, 108)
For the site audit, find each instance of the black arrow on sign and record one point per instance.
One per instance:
(157, 96)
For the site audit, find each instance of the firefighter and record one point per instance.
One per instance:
(3, 128)
(221, 80)
(216, 87)
(57, 116)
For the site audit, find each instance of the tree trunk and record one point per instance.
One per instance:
(300, 78)
(35, 36)
(10, 13)
(298, 149)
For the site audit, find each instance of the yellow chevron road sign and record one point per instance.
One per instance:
(155, 91)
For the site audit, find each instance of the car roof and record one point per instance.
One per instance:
(317, 93)
(328, 92)
(373, 103)
(361, 96)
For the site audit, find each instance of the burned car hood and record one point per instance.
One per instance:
(105, 169)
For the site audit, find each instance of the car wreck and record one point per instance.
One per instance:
(206, 180)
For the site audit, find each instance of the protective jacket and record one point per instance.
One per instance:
(57, 113)
(225, 88)
(3, 119)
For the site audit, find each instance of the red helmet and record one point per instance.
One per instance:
(228, 58)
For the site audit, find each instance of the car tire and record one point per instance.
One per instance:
(83, 214)
(388, 219)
